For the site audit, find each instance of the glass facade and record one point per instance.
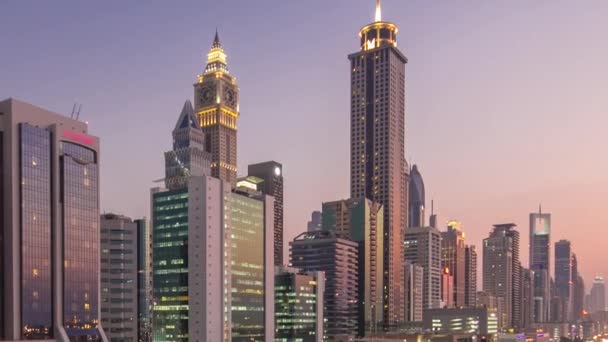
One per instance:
(170, 264)
(246, 219)
(35, 191)
(79, 197)
(295, 308)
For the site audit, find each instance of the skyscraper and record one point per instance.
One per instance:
(50, 233)
(216, 98)
(453, 258)
(527, 297)
(315, 222)
(377, 145)
(423, 247)
(361, 220)
(540, 244)
(597, 296)
(563, 276)
(188, 156)
(126, 279)
(470, 276)
(501, 272)
(272, 174)
(416, 199)
(578, 300)
(447, 288)
(414, 285)
(337, 257)
(299, 305)
(213, 259)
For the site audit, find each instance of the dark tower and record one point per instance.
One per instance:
(377, 146)
(416, 199)
(272, 174)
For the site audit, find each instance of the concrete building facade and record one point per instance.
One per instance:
(126, 279)
(422, 246)
(338, 258)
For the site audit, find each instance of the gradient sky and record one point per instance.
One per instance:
(506, 100)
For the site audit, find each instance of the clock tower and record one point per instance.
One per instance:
(217, 107)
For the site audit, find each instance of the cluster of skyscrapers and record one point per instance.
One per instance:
(208, 264)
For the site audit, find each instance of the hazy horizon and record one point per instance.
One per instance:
(505, 102)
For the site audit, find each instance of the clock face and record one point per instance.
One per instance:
(229, 97)
(277, 171)
(207, 95)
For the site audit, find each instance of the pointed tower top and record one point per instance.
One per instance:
(216, 58)
(540, 209)
(216, 40)
(187, 118)
(378, 17)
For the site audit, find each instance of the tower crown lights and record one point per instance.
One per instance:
(379, 33)
(216, 58)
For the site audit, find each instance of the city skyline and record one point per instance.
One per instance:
(509, 200)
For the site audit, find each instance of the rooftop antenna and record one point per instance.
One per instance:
(78, 113)
(73, 111)
(378, 16)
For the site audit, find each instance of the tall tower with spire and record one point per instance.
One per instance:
(377, 146)
(217, 107)
(540, 263)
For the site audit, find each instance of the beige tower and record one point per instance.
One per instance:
(217, 106)
(377, 146)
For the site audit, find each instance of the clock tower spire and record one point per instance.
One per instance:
(216, 106)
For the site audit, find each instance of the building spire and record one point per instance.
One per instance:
(378, 11)
(540, 209)
(216, 40)
(216, 58)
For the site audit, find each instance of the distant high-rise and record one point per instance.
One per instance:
(315, 222)
(501, 271)
(414, 284)
(126, 278)
(540, 256)
(272, 174)
(527, 297)
(216, 99)
(470, 276)
(49, 207)
(447, 289)
(453, 258)
(422, 246)
(597, 296)
(563, 276)
(416, 198)
(362, 221)
(338, 258)
(578, 300)
(299, 305)
(377, 145)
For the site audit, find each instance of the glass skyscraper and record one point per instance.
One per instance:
(51, 184)
(298, 305)
(213, 255)
(540, 258)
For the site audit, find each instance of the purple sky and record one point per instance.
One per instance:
(506, 101)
